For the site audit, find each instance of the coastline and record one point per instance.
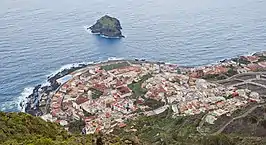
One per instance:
(32, 105)
(118, 90)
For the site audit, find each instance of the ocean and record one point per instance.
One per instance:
(39, 37)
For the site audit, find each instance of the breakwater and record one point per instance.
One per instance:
(37, 103)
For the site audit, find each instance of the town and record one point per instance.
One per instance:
(106, 95)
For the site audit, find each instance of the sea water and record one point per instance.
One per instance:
(38, 37)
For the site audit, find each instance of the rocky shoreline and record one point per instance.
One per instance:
(38, 102)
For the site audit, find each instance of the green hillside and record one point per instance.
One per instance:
(24, 129)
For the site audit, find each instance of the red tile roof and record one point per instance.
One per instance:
(121, 125)
(252, 58)
(161, 89)
(124, 90)
(253, 67)
(128, 69)
(100, 87)
(81, 100)
(262, 64)
(56, 106)
(68, 103)
(118, 83)
(107, 115)
(54, 112)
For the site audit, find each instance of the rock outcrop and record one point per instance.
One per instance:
(107, 26)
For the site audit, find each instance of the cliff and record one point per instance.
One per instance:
(107, 26)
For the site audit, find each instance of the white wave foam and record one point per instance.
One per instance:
(68, 66)
(45, 84)
(108, 37)
(86, 28)
(115, 58)
(22, 99)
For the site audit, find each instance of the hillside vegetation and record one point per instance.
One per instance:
(24, 129)
(163, 129)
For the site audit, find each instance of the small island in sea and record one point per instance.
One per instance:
(108, 27)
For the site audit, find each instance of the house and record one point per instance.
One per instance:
(241, 70)
(81, 100)
(175, 109)
(56, 106)
(124, 91)
(252, 59)
(197, 74)
(63, 122)
(210, 119)
(99, 86)
(58, 95)
(59, 100)
(55, 112)
(81, 91)
(262, 64)
(67, 104)
(253, 67)
(118, 83)
(108, 115)
(220, 69)
(121, 125)
(220, 104)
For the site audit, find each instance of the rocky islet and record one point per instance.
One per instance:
(108, 27)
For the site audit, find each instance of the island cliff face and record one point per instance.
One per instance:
(107, 26)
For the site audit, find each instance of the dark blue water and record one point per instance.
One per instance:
(37, 37)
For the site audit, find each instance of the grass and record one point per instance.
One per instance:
(24, 129)
(96, 93)
(162, 128)
(115, 66)
(108, 22)
(136, 86)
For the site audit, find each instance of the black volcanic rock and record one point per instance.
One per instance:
(107, 26)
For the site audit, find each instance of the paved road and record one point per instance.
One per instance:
(156, 111)
(240, 75)
(222, 128)
(250, 81)
(238, 117)
(243, 82)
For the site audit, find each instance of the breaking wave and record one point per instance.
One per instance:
(22, 99)
(86, 28)
(68, 66)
